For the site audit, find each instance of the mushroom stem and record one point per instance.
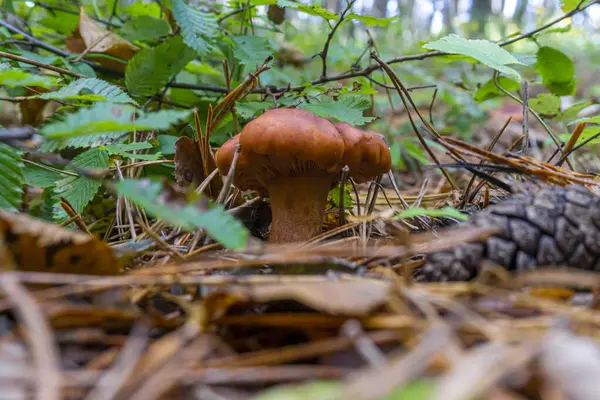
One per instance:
(297, 205)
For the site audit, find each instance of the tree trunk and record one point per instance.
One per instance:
(480, 12)
(379, 8)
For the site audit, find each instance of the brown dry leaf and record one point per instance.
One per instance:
(557, 293)
(32, 110)
(189, 167)
(354, 298)
(36, 245)
(91, 37)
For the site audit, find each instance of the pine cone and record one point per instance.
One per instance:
(553, 226)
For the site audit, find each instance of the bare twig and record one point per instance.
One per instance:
(330, 36)
(40, 64)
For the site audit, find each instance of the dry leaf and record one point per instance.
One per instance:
(189, 167)
(36, 245)
(353, 298)
(32, 110)
(93, 38)
(557, 293)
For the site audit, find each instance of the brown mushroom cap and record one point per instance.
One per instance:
(224, 157)
(365, 153)
(287, 142)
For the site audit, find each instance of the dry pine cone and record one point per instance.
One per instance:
(553, 226)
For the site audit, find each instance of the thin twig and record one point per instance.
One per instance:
(40, 64)
(535, 114)
(342, 216)
(330, 36)
(127, 206)
(402, 93)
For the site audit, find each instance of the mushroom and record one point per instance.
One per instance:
(296, 157)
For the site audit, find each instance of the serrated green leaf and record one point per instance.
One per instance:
(483, 51)
(557, 70)
(370, 20)
(249, 108)
(11, 177)
(123, 150)
(150, 69)
(252, 50)
(19, 78)
(545, 104)
(90, 89)
(199, 29)
(83, 141)
(79, 190)
(347, 109)
(489, 90)
(450, 212)
(108, 118)
(311, 9)
(219, 224)
(144, 27)
(40, 177)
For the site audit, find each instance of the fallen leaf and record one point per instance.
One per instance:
(354, 298)
(189, 166)
(557, 293)
(36, 245)
(91, 37)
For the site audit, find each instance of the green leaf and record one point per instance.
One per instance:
(585, 135)
(370, 20)
(572, 112)
(249, 108)
(150, 69)
(199, 29)
(108, 118)
(545, 104)
(570, 5)
(347, 109)
(40, 177)
(313, 9)
(219, 224)
(166, 144)
(18, 78)
(90, 89)
(252, 50)
(144, 27)
(83, 141)
(489, 90)
(483, 51)
(140, 8)
(557, 71)
(79, 190)
(11, 177)
(415, 390)
(589, 120)
(334, 196)
(424, 212)
(317, 390)
(123, 150)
